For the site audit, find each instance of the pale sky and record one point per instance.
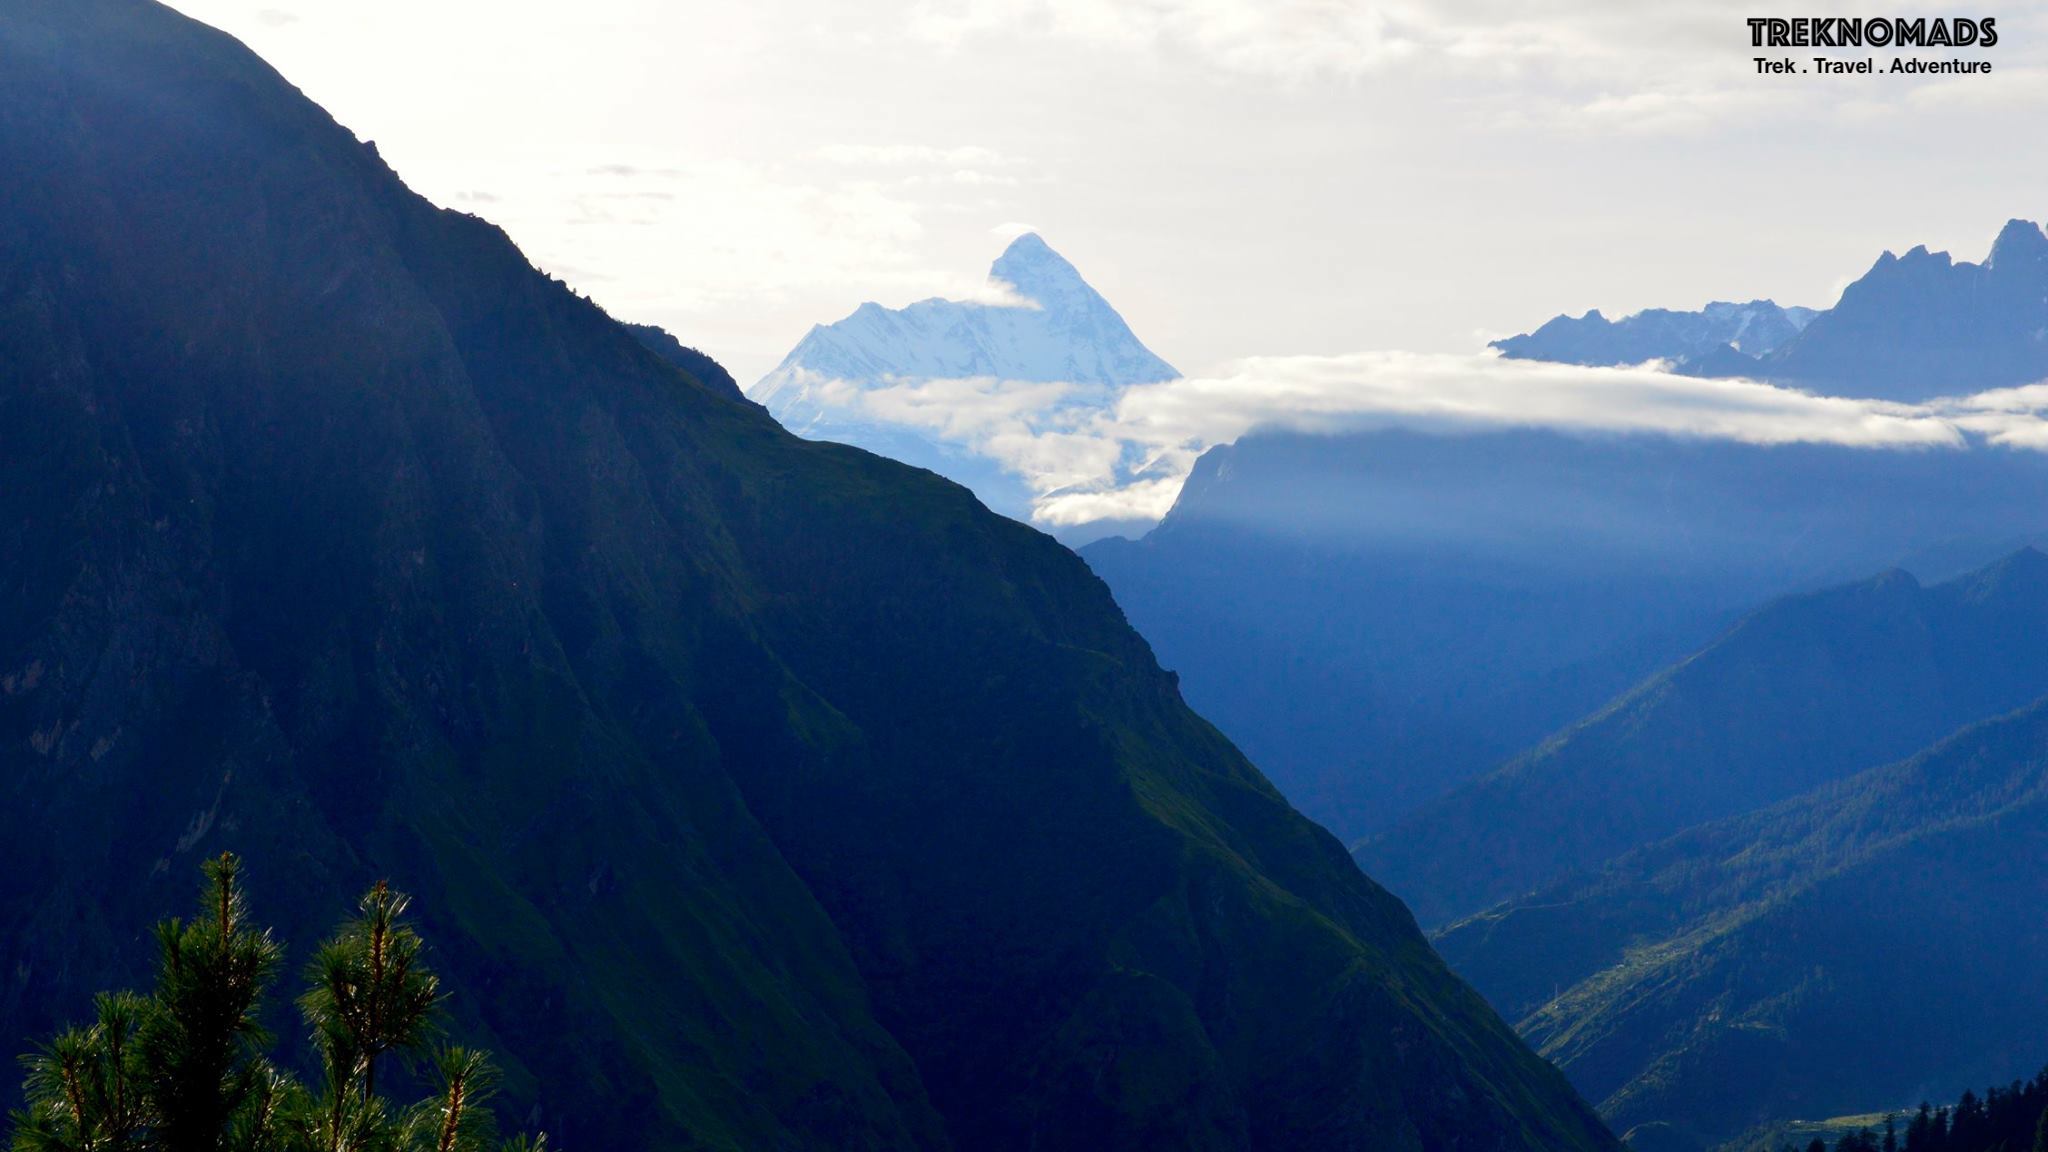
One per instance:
(1239, 177)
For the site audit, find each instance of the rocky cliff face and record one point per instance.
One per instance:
(1923, 325)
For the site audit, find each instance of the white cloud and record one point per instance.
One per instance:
(1294, 40)
(913, 156)
(2009, 417)
(969, 408)
(1127, 459)
(995, 292)
(1333, 392)
(1145, 500)
(2026, 398)
(1027, 426)
(1569, 65)
(642, 227)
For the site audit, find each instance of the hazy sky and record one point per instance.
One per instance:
(1239, 177)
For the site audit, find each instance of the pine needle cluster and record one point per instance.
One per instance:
(187, 1067)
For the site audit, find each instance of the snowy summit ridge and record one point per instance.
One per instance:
(1053, 327)
(933, 382)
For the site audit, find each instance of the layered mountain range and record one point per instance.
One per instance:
(1912, 327)
(1805, 691)
(1382, 615)
(1868, 943)
(757, 792)
(1736, 831)
(1686, 339)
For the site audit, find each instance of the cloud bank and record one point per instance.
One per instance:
(1126, 457)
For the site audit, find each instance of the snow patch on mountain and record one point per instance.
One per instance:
(996, 392)
(1755, 328)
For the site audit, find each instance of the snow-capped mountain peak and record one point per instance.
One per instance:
(1042, 323)
(943, 383)
(1043, 277)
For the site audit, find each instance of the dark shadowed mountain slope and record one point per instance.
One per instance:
(759, 793)
(695, 364)
(1807, 690)
(1876, 942)
(1379, 616)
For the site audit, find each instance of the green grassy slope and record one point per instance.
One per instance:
(1877, 939)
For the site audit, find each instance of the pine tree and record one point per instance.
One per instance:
(459, 1119)
(200, 1047)
(371, 995)
(83, 1088)
(1920, 1130)
(184, 1070)
(1966, 1125)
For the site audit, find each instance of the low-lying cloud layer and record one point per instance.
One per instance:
(1126, 459)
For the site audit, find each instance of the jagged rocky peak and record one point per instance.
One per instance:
(1041, 336)
(2020, 245)
(1912, 327)
(1924, 325)
(1920, 252)
(1754, 328)
(1041, 322)
(1042, 276)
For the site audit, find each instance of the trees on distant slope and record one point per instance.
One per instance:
(185, 1069)
(2009, 1119)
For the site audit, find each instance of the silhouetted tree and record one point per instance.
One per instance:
(1966, 1125)
(184, 1069)
(1920, 1130)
